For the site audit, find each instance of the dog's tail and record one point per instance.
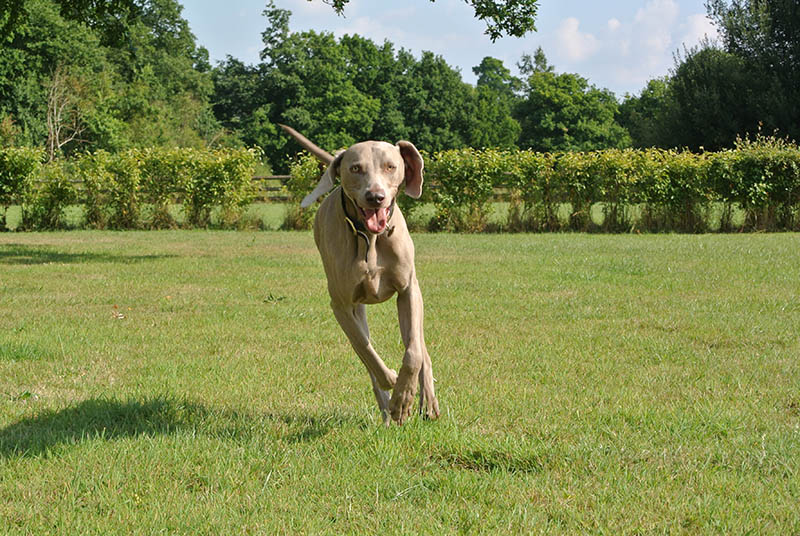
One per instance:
(322, 155)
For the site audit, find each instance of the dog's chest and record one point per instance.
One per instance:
(372, 284)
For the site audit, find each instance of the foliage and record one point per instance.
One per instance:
(18, 167)
(465, 181)
(706, 87)
(766, 36)
(47, 198)
(652, 189)
(649, 116)
(123, 74)
(220, 178)
(137, 188)
(718, 91)
(304, 174)
(338, 91)
(563, 112)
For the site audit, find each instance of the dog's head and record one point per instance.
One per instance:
(371, 173)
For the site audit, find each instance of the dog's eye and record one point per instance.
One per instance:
(390, 167)
(355, 169)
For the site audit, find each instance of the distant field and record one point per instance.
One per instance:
(195, 382)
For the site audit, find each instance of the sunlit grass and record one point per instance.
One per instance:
(195, 382)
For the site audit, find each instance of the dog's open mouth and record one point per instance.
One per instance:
(375, 219)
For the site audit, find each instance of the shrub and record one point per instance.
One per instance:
(166, 173)
(533, 198)
(221, 177)
(18, 167)
(124, 194)
(93, 170)
(465, 180)
(47, 197)
(304, 174)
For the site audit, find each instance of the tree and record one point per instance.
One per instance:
(108, 16)
(142, 79)
(492, 124)
(338, 91)
(65, 122)
(716, 97)
(648, 115)
(766, 35)
(511, 17)
(563, 112)
(495, 98)
(493, 75)
(537, 63)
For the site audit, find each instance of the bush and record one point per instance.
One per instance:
(653, 189)
(465, 180)
(94, 171)
(165, 174)
(533, 198)
(304, 174)
(47, 197)
(223, 178)
(18, 167)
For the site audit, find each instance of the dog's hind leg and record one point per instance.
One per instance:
(382, 396)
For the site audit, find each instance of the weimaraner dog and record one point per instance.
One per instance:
(368, 257)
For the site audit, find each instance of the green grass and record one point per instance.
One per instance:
(195, 382)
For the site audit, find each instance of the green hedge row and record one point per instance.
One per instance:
(611, 190)
(650, 190)
(129, 190)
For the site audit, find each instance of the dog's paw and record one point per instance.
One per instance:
(428, 404)
(403, 396)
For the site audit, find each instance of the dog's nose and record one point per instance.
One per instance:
(375, 197)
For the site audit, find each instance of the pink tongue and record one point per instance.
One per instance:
(376, 219)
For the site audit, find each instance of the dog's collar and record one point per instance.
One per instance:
(355, 225)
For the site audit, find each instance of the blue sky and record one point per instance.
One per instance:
(616, 44)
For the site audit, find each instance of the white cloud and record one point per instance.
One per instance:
(653, 28)
(614, 24)
(306, 8)
(575, 45)
(697, 28)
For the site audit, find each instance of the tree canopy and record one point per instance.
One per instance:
(79, 75)
(716, 92)
(120, 76)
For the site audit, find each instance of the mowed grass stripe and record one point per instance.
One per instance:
(195, 382)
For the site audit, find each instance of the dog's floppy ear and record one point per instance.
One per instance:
(325, 184)
(413, 171)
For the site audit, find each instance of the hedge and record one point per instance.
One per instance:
(633, 190)
(647, 190)
(129, 190)
(18, 165)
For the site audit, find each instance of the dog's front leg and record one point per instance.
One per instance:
(353, 320)
(416, 362)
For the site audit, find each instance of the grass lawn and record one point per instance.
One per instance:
(193, 382)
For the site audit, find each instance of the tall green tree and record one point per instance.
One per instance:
(563, 112)
(130, 71)
(766, 35)
(649, 116)
(338, 91)
(716, 96)
(495, 97)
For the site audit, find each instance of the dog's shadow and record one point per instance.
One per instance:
(109, 419)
